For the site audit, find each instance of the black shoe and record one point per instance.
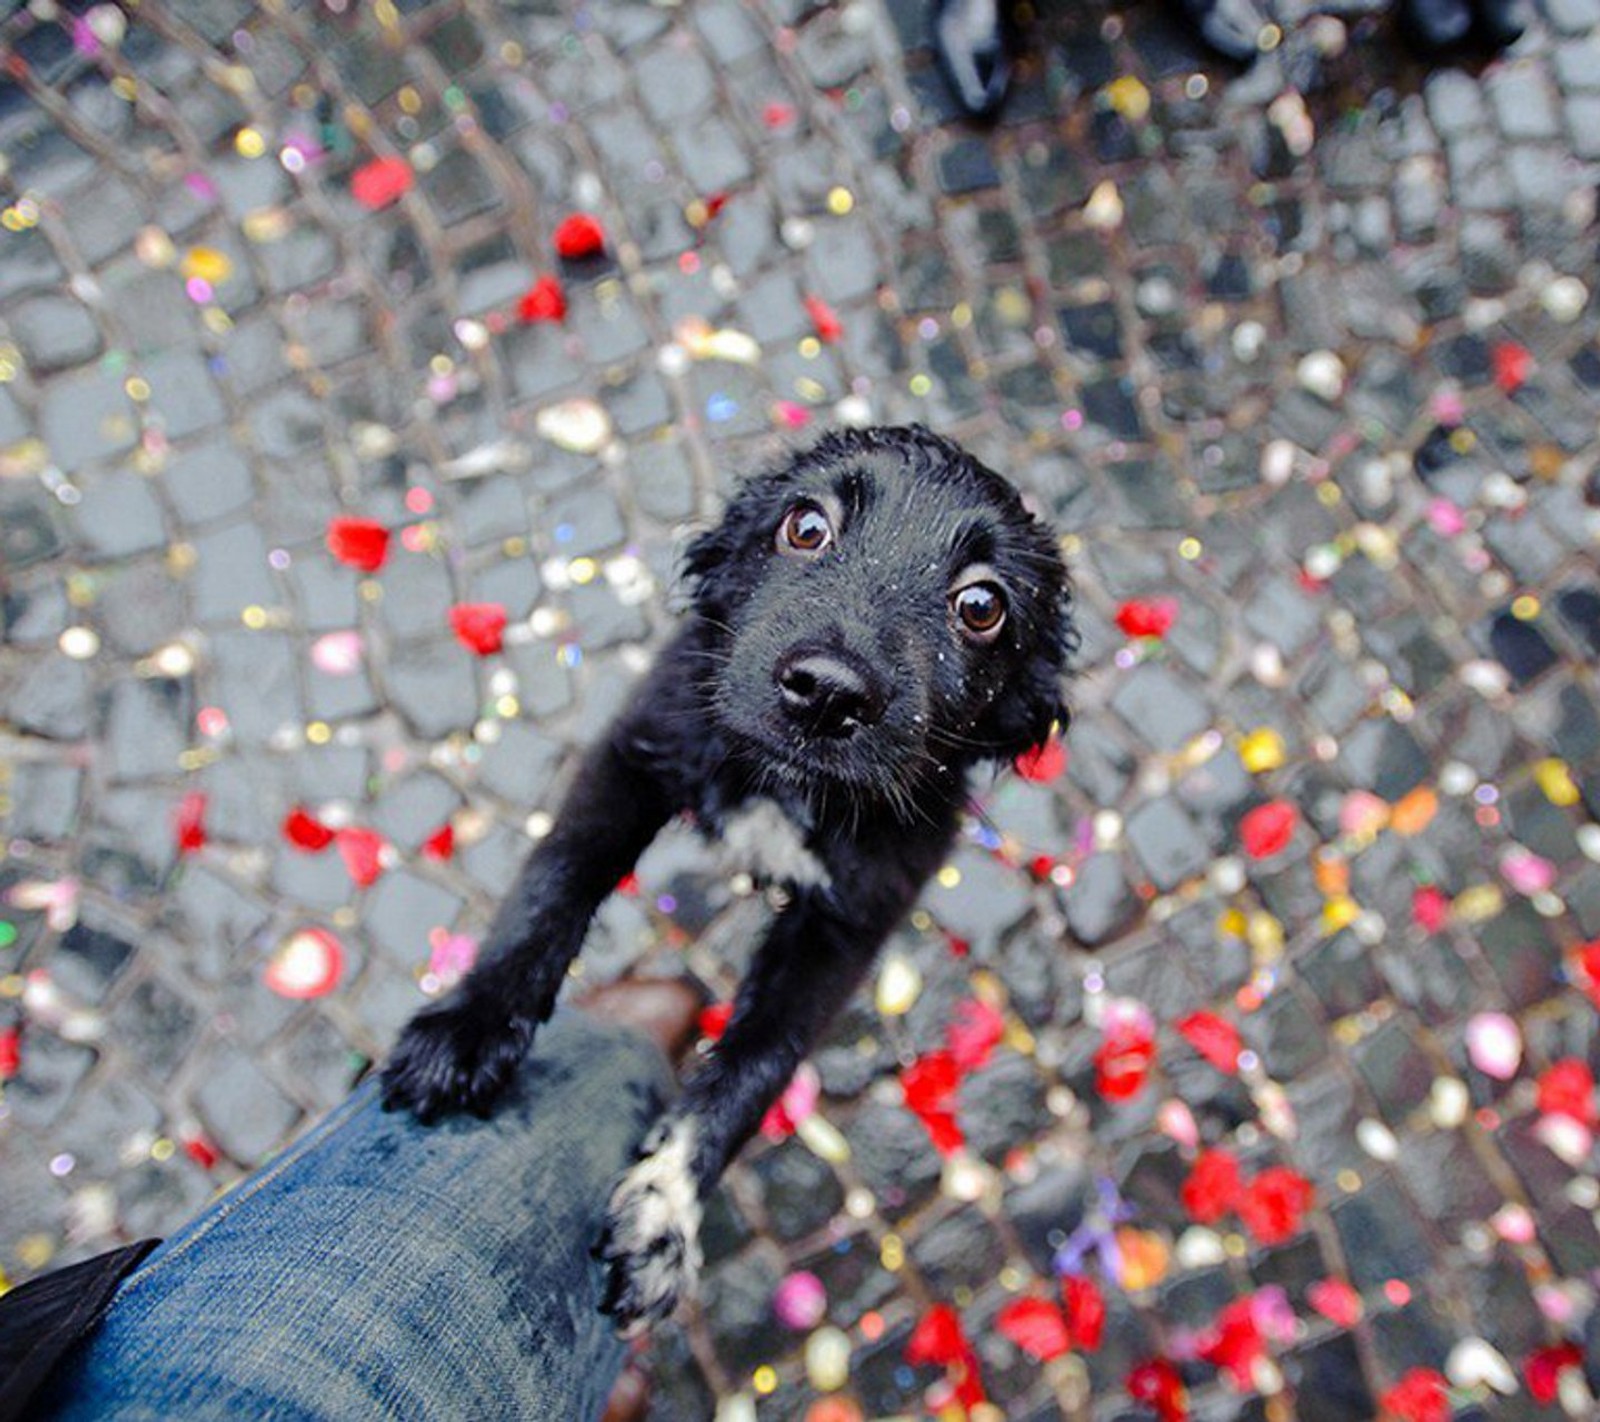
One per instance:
(970, 44)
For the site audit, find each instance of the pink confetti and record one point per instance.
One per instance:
(1527, 872)
(800, 1301)
(1445, 519)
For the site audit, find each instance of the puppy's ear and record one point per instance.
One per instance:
(1026, 712)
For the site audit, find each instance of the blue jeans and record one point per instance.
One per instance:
(381, 1269)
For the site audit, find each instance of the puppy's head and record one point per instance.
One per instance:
(888, 611)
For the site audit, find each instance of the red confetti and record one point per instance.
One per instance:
(1543, 1369)
(1420, 1396)
(1215, 1038)
(441, 844)
(1147, 617)
(358, 543)
(827, 325)
(1035, 1326)
(1512, 365)
(309, 965)
(1586, 969)
(304, 831)
(1158, 1385)
(1122, 1064)
(361, 850)
(929, 1087)
(1234, 1344)
(1567, 1089)
(381, 182)
(1336, 1301)
(1267, 829)
(940, 1339)
(1044, 762)
(1430, 908)
(1214, 1186)
(479, 626)
(1085, 1310)
(1274, 1203)
(776, 115)
(543, 301)
(189, 822)
(10, 1053)
(713, 1020)
(201, 1151)
(580, 236)
(975, 1033)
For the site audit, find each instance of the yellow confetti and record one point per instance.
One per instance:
(823, 1139)
(892, 1253)
(1262, 749)
(266, 224)
(1340, 911)
(899, 985)
(827, 1359)
(1482, 901)
(840, 201)
(1556, 781)
(1265, 935)
(1128, 97)
(248, 143)
(206, 264)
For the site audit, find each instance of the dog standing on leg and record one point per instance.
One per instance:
(870, 621)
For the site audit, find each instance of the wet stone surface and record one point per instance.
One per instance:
(1302, 359)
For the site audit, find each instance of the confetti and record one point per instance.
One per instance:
(358, 543)
(580, 425)
(362, 852)
(307, 964)
(479, 626)
(800, 1301)
(189, 827)
(1268, 829)
(543, 301)
(381, 183)
(580, 236)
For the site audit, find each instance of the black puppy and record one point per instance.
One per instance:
(869, 621)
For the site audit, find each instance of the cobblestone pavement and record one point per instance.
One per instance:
(1265, 1025)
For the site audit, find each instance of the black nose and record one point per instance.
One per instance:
(829, 693)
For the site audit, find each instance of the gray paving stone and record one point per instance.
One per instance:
(243, 1112)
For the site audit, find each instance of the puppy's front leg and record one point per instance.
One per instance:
(802, 975)
(462, 1052)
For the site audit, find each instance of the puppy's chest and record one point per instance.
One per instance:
(760, 837)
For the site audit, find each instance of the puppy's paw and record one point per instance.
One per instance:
(651, 1242)
(454, 1057)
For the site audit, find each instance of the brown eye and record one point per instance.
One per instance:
(804, 532)
(981, 609)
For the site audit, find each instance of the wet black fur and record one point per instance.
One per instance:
(706, 731)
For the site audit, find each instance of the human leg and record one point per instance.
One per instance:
(381, 1268)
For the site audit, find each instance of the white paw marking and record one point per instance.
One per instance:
(654, 1227)
(765, 841)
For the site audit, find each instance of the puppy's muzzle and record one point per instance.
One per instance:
(829, 693)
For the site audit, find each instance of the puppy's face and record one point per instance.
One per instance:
(889, 612)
